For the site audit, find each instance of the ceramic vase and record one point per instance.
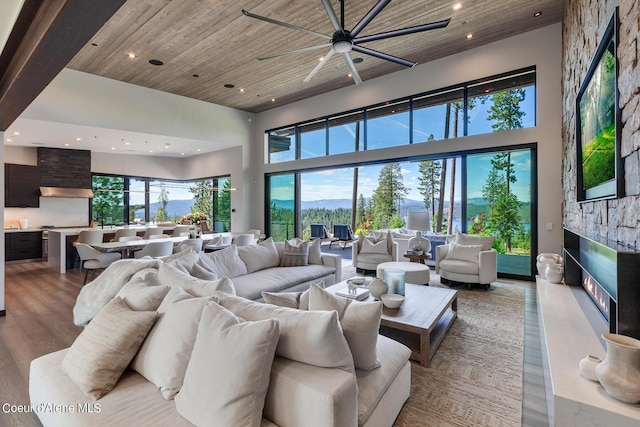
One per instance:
(619, 372)
(588, 367)
(546, 258)
(419, 243)
(377, 288)
(553, 273)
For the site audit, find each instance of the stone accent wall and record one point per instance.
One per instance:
(584, 24)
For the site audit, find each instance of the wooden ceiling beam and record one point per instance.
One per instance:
(46, 36)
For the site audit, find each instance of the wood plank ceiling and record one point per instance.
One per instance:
(205, 44)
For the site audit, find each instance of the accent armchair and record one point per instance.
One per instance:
(470, 260)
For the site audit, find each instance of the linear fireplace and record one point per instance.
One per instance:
(610, 274)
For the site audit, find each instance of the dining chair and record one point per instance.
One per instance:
(128, 252)
(156, 249)
(245, 240)
(159, 236)
(196, 244)
(93, 259)
(152, 231)
(123, 232)
(86, 236)
(180, 231)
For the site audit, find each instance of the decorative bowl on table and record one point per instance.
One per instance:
(392, 300)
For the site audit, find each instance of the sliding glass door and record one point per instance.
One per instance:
(281, 210)
(499, 203)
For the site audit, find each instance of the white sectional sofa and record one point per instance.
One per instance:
(315, 379)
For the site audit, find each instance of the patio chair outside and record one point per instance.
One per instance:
(319, 231)
(343, 233)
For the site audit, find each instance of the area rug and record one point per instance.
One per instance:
(475, 377)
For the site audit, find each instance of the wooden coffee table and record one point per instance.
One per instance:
(421, 322)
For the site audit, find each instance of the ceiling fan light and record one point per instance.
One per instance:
(342, 46)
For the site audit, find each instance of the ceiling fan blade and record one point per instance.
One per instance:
(352, 67)
(291, 52)
(375, 10)
(332, 15)
(402, 32)
(284, 24)
(320, 64)
(382, 55)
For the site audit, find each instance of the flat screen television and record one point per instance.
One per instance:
(600, 173)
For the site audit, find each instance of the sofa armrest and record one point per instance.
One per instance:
(441, 253)
(354, 254)
(488, 266)
(305, 395)
(334, 261)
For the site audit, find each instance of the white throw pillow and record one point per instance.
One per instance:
(225, 262)
(140, 296)
(296, 253)
(464, 252)
(315, 254)
(228, 375)
(260, 256)
(171, 276)
(164, 355)
(98, 357)
(465, 239)
(312, 337)
(360, 323)
(299, 300)
(369, 247)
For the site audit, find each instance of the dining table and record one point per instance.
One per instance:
(135, 245)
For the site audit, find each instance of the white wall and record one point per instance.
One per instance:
(541, 48)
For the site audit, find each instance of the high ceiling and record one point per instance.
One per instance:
(207, 44)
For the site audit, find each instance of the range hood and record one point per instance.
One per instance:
(78, 193)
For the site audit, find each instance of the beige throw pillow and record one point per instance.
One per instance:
(469, 253)
(101, 353)
(369, 247)
(466, 239)
(360, 323)
(164, 355)
(260, 256)
(140, 296)
(229, 371)
(315, 254)
(312, 337)
(298, 300)
(225, 262)
(296, 253)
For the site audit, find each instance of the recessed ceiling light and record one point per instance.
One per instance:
(9, 139)
(182, 154)
(131, 55)
(229, 86)
(198, 150)
(469, 36)
(66, 144)
(113, 148)
(535, 15)
(156, 62)
(242, 90)
(457, 6)
(127, 143)
(349, 75)
(151, 151)
(78, 139)
(358, 60)
(321, 58)
(16, 133)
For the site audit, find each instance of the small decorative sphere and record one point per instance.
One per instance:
(377, 288)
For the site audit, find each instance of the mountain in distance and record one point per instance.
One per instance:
(174, 208)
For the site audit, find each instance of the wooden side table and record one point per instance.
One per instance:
(418, 258)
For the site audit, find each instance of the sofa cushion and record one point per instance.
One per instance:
(260, 256)
(467, 239)
(140, 296)
(296, 253)
(164, 355)
(228, 374)
(360, 323)
(225, 262)
(313, 337)
(197, 269)
(299, 300)
(277, 279)
(171, 276)
(373, 385)
(459, 266)
(469, 253)
(105, 347)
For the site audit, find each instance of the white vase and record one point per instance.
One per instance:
(554, 273)
(619, 372)
(419, 243)
(546, 258)
(377, 288)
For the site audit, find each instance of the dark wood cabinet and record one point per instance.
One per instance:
(23, 245)
(21, 186)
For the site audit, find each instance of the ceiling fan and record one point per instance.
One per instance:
(344, 41)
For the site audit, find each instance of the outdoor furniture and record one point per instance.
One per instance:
(343, 233)
(319, 231)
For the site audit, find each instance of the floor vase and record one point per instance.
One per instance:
(619, 372)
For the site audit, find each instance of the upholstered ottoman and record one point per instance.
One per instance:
(414, 272)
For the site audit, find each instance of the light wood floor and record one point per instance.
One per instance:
(39, 320)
